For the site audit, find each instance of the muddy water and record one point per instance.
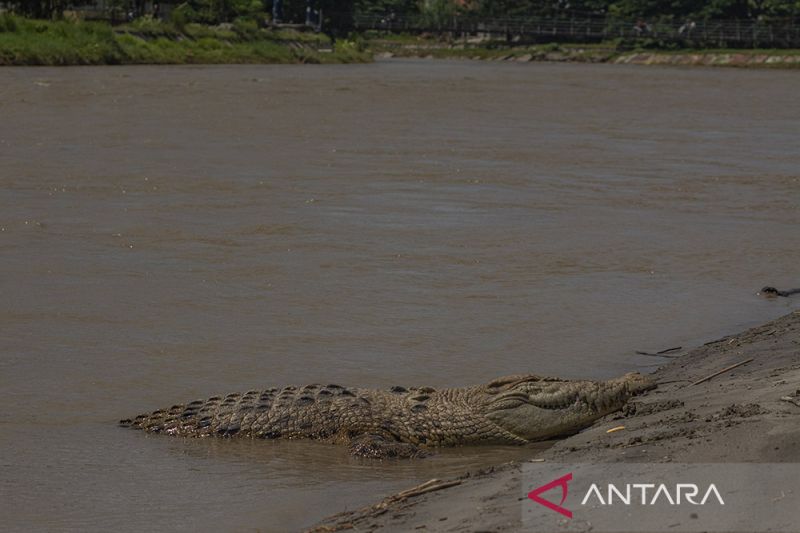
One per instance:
(172, 233)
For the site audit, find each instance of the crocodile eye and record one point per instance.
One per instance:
(509, 401)
(506, 403)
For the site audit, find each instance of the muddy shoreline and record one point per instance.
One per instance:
(750, 413)
(572, 53)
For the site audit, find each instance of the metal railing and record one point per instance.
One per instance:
(737, 33)
(566, 28)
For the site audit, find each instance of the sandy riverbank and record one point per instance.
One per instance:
(577, 53)
(748, 414)
(746, 59)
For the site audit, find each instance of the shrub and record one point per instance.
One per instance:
(8, 23)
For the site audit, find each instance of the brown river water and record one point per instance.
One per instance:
(170, 233)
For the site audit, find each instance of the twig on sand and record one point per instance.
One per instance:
(662, 353)
(792, 398)
(378, 509)
(656, 354)
(428, 486)
(668, 350)
(726, 369)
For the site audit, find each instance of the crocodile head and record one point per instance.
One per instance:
(536, 408)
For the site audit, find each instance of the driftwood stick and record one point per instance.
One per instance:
(346, 519)
(791, 399)
(657, 354)
(421, 486)
(430, 486)
(668, 350)
(726, 369)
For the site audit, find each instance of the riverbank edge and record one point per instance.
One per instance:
(749, 413)
(575, 53)
(29, 42)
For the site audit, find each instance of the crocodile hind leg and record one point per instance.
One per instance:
(379, 447)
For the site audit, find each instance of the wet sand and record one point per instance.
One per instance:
(737, 416)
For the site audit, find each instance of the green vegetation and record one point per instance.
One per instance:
(338, 15)
(38, 42)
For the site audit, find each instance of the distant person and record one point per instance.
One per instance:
(641, 28)
(156, 10)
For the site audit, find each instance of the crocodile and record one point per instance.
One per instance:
(400, 422)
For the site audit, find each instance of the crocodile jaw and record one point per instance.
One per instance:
(541, 410)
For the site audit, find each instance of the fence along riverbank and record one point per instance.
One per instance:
(719, 33)
(568, 28)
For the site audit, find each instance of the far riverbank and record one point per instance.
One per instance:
(148, 41)
(431, 48)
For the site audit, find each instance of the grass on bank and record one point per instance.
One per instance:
(147, 41)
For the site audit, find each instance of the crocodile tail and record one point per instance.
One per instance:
(220, 416)
(156, 421)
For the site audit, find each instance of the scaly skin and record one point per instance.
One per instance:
(397, 422)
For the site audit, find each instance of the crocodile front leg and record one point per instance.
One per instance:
(378, 447)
